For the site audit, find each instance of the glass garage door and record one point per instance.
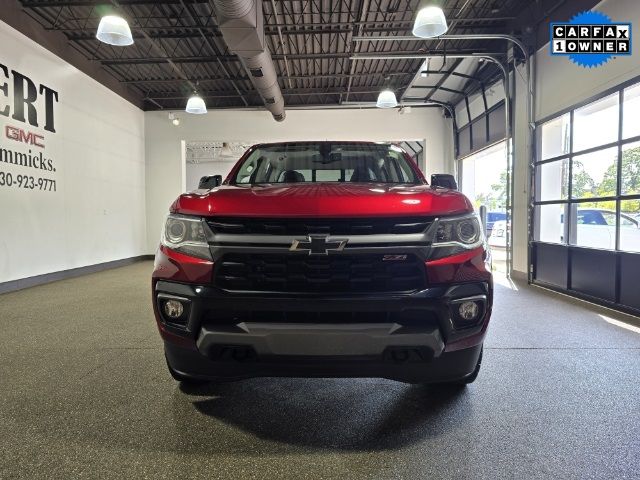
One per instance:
(484, 181)
(586, 209)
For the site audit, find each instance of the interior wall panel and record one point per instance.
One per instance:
(72, 171)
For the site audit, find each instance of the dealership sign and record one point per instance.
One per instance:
(590, 39)
(26, 108)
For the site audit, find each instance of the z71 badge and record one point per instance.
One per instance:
(394, 258)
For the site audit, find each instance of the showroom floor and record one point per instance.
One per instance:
(84, 393)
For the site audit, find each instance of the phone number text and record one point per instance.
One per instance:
(27, 181)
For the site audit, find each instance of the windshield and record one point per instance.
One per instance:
(312, 162)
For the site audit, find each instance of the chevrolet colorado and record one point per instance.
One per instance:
(323, 259)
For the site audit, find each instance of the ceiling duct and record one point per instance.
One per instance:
(242, 27)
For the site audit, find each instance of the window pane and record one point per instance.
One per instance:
(595, 174)
(593, 224)
(479, 133)
(462, 116)
(497, 128)
(631, 168)
(553, 179)
(596, 124)
(629, 225)
(464, 141)
(631, 112)
(328, 175)
(549, 223)
(555, 137)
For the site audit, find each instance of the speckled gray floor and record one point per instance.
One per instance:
(84, 393)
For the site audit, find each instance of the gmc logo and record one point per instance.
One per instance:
(20, 135)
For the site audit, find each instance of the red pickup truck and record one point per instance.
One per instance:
(323, 259)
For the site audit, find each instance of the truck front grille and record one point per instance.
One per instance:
(342, 274)
(336, 226)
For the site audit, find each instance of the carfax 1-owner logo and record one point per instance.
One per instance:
(590, 39)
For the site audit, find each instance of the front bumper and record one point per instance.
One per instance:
(408, 337)
(447, 367)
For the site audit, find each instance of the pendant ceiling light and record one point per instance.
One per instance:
(430, 22)
(114, 30)
(196, 105)
(387, 99)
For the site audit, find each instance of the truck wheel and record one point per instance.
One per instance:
(185, 379)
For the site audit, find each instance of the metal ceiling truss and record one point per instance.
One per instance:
(179, 48)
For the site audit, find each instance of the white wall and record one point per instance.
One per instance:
(97, 213)
(561, 84)
(163, 141)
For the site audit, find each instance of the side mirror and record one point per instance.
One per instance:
(444, 180)
(209, 181)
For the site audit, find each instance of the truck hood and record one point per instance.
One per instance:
(322, 200)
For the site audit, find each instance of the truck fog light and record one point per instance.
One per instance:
(173, 309)
(468, 310)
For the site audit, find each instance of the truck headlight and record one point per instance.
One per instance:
(455, 235)
(186, 235)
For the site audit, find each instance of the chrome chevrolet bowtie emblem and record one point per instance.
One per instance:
(318, 245)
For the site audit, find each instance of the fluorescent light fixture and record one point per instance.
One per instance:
(114, 30)
(430, 22)
(196, 105)
(387, 99)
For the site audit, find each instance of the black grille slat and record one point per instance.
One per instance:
(407, 318)
(340, 226)
(327, 274)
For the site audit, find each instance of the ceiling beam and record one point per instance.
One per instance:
(156, 60)
(94, 3)
(453, 74)
(286, 92)
(397, 55)
(209, 58)
(404, 23)
(434, 88)
(191, 31)
(91, 35)
(238, 79)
